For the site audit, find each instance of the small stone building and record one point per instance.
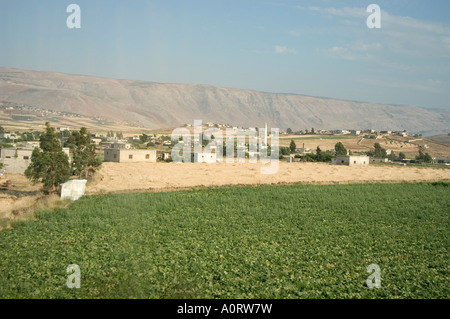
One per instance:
(379, 160)
(129, 156)
(16, 160)
(351, 160)
(203, 158)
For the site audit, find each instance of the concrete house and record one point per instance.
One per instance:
(351, 160)
(203, 158)
(379, 160)
(16, 160)
(129, 156)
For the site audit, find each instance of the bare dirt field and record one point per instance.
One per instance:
(123, 177)
(19, 199)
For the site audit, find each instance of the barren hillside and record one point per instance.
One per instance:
(156, 105)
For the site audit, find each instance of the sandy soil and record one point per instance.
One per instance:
(18, 196)
(120, 177)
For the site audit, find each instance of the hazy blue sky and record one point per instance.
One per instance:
(319, 48)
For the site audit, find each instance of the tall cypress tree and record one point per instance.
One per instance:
(340, 149)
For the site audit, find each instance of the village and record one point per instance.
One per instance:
(17, 147)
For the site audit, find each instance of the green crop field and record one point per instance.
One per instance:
(298, 241)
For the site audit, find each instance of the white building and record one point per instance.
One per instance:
(203, 158)
(129, 156)
(351, 160)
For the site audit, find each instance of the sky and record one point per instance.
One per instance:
(320, 48)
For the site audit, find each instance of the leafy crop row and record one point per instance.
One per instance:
(300, 241)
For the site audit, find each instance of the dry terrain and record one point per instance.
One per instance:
(19, 199)
(154, 105)
(122, 177)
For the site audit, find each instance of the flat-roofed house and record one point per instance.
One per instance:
(129, 156)
(16, 160)
(351, 160)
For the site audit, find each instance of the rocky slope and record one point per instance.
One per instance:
(156, 105)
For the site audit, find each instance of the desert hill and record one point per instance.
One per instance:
(156, 105)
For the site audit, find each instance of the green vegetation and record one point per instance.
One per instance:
(84, 162)
(340, 149)
(49, 164)
(292, 146)
(299, 241)
(424, 157)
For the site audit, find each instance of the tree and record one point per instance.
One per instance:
(312, 131)
(2, 129)
(427, 158)
(292, 146)
(285, 150)
(84, 159)
(340, 149)
(289, 130)
(401, 156)
(392, 156)
(49, 164)
(143, 138)
(379, 151)
(319, 155)
(420, 156)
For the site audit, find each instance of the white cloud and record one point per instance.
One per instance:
(399, 34)
(282, 50)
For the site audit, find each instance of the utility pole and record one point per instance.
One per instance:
(303, 151)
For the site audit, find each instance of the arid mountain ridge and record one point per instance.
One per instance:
(158, 105)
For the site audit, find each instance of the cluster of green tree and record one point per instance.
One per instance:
(320, 156)
(111, 134)
(31, 136)
(378, 151)
(301, 132)
(426, 158)
(401, 156)
(50, 165)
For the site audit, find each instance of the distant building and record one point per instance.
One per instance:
(300, 150)
(8, 135)
(118, 145)
(351, 160)
(15, 160)
(203, 158)
(442, 160)
(129, 156)
(379, 160)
